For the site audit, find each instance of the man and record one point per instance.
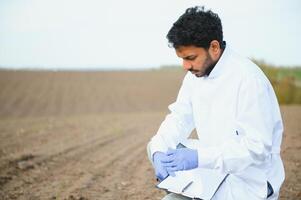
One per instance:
(232, 106)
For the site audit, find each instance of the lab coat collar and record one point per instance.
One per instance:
(221, 64)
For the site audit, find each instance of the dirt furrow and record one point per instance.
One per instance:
(67, 168)
(105, 176)
(64, 135)
(11, 166)
(103, 160)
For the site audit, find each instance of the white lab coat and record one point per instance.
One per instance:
(238, 122)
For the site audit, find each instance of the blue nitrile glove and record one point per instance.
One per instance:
(180, 159)
(160, 171)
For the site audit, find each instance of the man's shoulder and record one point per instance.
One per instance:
(246, 68)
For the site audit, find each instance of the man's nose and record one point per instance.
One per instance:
(186, 65)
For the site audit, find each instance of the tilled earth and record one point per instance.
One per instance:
(83, 135)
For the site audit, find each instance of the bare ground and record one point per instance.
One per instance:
(83, 135)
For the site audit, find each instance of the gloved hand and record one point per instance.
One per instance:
(160, 171)
(180, 159)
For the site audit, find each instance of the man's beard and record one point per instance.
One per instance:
(210, 64)
(209, 68)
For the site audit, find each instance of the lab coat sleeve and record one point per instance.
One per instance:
(178, 124)
(254, 125)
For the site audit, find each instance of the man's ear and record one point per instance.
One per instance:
(214, 49)
(214, 46)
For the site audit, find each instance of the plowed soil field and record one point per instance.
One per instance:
(83, 135)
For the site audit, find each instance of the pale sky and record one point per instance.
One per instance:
(132, 33)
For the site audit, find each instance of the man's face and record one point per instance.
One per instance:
(197, 60)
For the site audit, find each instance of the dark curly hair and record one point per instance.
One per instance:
(196, 27)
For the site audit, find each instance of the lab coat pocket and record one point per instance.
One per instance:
(232, 152)
(235, 136)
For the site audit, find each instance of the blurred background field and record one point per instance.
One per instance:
(285, 80)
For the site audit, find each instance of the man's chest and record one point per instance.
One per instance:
(214, 105)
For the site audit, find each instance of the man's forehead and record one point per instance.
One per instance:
(185, 51)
